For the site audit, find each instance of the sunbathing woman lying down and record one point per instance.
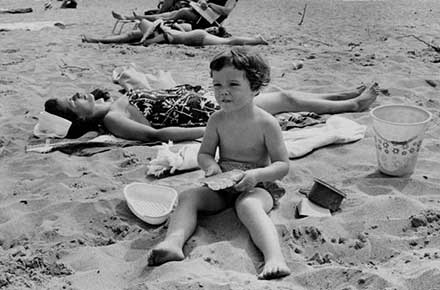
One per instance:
(174, 33)
(154, 115)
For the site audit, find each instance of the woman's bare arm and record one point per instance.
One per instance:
(122, 127)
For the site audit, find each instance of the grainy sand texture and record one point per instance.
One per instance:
(64, 223)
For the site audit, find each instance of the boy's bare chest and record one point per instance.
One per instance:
(242, 138)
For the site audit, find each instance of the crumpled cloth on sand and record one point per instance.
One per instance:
(129, 78)
(85, 146)
(337, 130)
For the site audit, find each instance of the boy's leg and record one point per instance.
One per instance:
(252, 208)
(183, 223)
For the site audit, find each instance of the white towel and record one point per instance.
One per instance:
(130, 78)
(337, 130)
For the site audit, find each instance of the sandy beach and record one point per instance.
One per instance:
(64, 223)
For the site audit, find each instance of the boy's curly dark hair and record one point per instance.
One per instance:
(79, 127)
(256, 68)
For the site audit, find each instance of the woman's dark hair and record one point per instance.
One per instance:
(256, 68)
(79, 126)
(220, 32)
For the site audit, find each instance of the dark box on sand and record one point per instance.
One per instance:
(326, 195)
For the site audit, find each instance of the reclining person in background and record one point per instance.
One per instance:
(171, 5)
(196, 15)
(176, 33)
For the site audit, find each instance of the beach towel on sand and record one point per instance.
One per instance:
(337, 130)
(87, 145)
(299, 143)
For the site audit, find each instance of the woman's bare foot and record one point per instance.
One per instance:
(165, 252)
(274, 269)
(366, 98)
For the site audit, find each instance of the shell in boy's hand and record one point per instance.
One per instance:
(223, 180)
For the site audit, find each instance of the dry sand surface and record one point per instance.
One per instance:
(64, 223)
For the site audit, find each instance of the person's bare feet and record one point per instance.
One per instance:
(85, 38)
(367, 97)
(165, 252)
(118, 16)
(262, 40)
(274, 269)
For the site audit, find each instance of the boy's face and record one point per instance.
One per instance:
(231, 88)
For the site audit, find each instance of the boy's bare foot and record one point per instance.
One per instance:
(164, 252)
(273, 270)
(367, 97)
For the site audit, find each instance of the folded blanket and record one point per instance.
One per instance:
(337, 130)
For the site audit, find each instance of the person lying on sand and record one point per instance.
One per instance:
(146, 116)
(189, 14)
(158, 32)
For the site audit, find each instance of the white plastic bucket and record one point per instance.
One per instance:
(399, 132)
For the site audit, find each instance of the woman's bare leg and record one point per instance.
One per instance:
(130, 37)
(186, 14)
(119, 16)
(147, 28)
(183, 223)
(341, 95)
(280, 101)
(252, 208)
(235, 40)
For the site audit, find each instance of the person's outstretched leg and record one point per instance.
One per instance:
(339, 96)
(130, 37)
(183, 222)
(119, 16)
(186, 14)
(210, 39)
(280, 101)
(252, 208)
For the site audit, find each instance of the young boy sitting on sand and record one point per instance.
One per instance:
(249, 139)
